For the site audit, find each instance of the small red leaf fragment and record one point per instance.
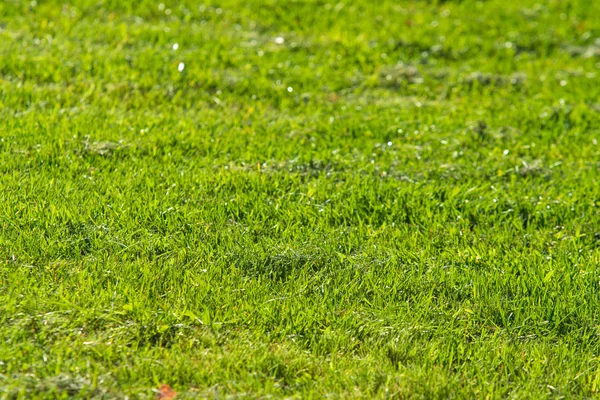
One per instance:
(165, 392)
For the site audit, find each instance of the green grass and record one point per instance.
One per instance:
(401, 200)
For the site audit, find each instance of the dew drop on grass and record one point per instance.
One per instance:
(181, 67)
(290, 89)
(175, 46)
(279, 40)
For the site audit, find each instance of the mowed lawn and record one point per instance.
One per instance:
(300, 199)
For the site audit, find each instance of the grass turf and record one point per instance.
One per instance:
(311, 199)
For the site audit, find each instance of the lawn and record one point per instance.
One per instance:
(300, 199)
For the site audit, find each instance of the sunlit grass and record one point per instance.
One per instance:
(310, 199)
